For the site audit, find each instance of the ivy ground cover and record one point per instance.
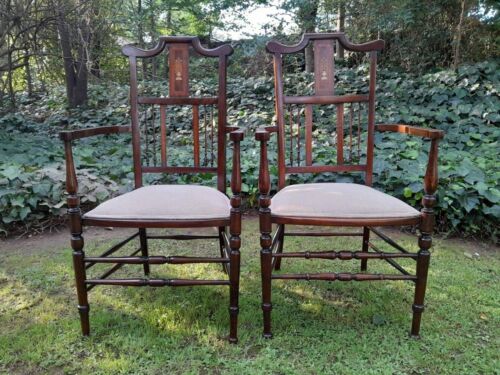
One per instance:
(464, 103)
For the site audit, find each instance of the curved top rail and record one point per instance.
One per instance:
(132, 50)
(277, 47)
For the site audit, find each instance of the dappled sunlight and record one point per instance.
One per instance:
(171, 328)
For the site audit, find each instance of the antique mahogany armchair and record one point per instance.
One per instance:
(153, 124)
(336, 204)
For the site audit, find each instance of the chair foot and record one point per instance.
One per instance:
(84, 319)
(234, 289)
(266, 310)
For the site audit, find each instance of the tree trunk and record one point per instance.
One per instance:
(75, 70)
(307, 16)
(154, 37)
(27, 69)
(142, 44)
(9, 81)
(458, 37)
(340, 27)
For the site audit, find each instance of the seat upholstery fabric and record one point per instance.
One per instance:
(164, 202)
(338, 201)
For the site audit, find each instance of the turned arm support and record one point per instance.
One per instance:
(263, 134)
(236, 135)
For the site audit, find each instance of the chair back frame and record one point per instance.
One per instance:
(324, 94)
(179, 95)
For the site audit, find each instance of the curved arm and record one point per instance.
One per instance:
(132, 50)
(431, 173)
(277, 47)
(411, 130)
(69, 135)
(71, 180)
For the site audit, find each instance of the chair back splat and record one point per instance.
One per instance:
(297, 112)
(160, 91)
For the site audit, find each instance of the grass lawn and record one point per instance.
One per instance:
(319, 327)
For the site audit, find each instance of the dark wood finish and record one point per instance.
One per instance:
(163, 131)
(323, 67)
(323, 234)
(325, 99)
(391, 261)
(272, 246)
(341, 277)
(144, 248)
(235, 231)
(411, 130)
(178, 61)
(280, 238)
(366, 239)
(308, 135)
(112, 270)
(388, 240)
(181, 237)
(340, 134)
(325, 168)
(154, 117)
(70, 135)
(156, 260)
(342, 255)
(296, 220)
(276, 47)
(179, 169)
(265, 225)
(114, 248)
(196, 135)
(155, 282)
(177, 100)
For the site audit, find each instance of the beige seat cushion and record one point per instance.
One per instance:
(338, 201)
(164, 202)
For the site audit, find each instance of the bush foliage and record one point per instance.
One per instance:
(463, 103)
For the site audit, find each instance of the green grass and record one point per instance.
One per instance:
(319, 327)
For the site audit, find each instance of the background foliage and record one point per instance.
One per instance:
(463, 103)
(61, 68)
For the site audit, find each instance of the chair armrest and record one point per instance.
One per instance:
(411, 130)
(431, 172)
(70, 135)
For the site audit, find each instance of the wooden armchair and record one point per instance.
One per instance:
(153, 124)
(336, 204)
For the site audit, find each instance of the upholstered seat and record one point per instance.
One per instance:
(164, 202)
(343, 201)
